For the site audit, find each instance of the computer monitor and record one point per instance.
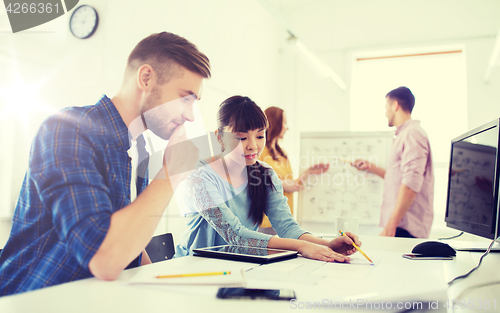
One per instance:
(473, 179)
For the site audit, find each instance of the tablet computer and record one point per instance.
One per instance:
(245, 254)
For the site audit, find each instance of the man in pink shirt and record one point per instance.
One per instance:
(407, 206)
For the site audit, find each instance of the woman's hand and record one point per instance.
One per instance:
(318, 169)
(314, 170)
(292, 185)
(319, 252)
(343, 244)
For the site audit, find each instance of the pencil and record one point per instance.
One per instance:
(194, 274)
(357, 248)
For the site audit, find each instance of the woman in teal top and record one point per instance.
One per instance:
(225, 199)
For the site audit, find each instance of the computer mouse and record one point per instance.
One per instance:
(434, 248)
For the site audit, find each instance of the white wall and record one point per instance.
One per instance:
(483, 98)
(44, 69)
(239, 37)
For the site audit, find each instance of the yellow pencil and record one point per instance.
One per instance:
(357, 248)
(194, 274)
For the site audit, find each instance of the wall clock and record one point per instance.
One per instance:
(83, 21)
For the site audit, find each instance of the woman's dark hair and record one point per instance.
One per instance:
(241, 114)
(275, 118)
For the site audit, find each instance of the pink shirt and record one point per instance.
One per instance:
(410, 163)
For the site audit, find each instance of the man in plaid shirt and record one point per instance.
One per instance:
(76, 216)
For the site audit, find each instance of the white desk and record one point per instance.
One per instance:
(428, 280)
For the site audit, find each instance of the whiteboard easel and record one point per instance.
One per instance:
(342, 190)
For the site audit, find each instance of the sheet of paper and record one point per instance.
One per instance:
(296, 271)
(307, 266)
(210, 263)
(283, 277)
(358, 271)
(195, 290)
(392, 278)
(148, 274)
(235, 278)
(279, 267)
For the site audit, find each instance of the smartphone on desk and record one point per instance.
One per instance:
(413, 256)
(247, 293)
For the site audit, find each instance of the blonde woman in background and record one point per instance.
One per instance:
(277, 158)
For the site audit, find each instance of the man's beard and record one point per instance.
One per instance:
(150, 111)
(151, 102)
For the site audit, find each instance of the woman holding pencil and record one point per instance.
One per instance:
(226, 197)
(277, 158)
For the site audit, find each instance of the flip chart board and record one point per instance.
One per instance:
(343, 190)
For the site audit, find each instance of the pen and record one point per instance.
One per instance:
(357, 248)
(194, 274)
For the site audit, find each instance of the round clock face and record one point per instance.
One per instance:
(83, 21)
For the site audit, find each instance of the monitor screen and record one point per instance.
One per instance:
(472, 202)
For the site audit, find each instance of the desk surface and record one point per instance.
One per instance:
(392, 278)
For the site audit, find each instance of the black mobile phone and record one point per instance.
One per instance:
(412, 256)
(246, 293)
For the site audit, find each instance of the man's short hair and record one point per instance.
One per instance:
(165, 52)
(404, 97)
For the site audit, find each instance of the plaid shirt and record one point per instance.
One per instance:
(79, 175)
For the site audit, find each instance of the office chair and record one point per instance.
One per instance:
(161, 248)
